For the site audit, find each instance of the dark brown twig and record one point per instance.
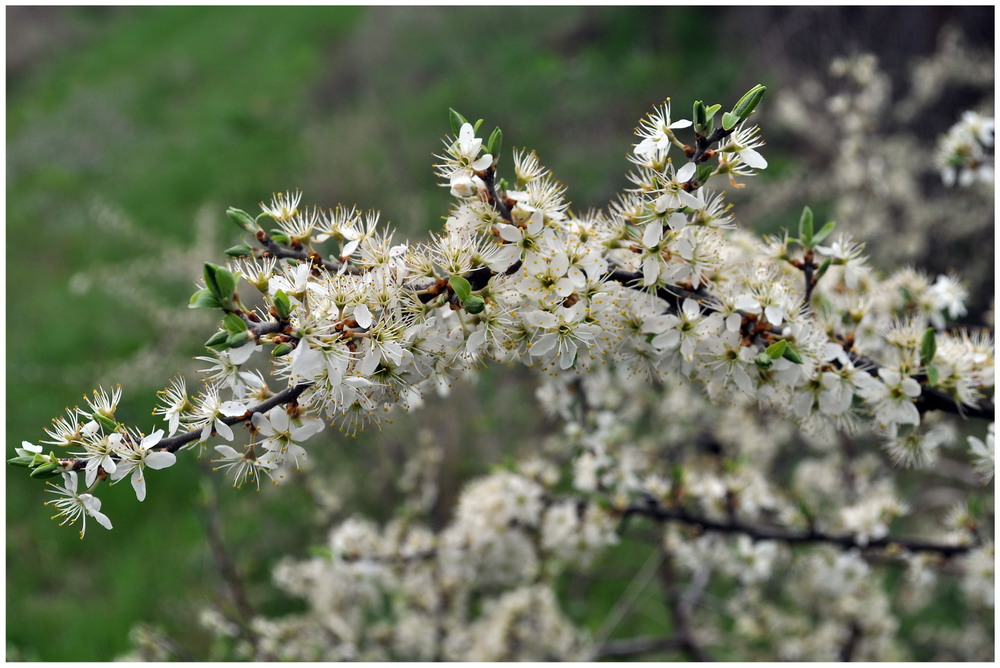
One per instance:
(756, 533)
(679, 610)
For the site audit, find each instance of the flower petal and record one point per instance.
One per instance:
(160, 460)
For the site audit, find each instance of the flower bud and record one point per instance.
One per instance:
(242, 218)
(474, 304)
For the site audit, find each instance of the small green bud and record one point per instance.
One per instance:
(243, 219)
(282, 304)
(699, 116)
(237, 339)
(702, 117)
(282, 349)
(218, 339)
(764, 361)
(474, 304)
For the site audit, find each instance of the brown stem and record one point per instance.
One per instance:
(679, 610)
(756, 533)
(245, 611)
(175, 443)
(637, 646)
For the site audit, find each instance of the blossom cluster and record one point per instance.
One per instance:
(654, 311)
(857, 128)
(964, 154)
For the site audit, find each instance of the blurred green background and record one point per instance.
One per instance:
(129, 132)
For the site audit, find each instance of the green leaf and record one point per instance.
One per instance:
(221, 282)
(203, 299)
(20, 460)
(748, 102)
(279, 237)
(928, 346)
(495, 142)
(932, 375)
(234, 323)
(457, 120)
(703, 172)
(243, 219)
(806, 227)
(108, 423)
(824, 232)
(242, 250)
(777, 349)
(474, 304)
(282, 304)
(699, 117)
(461, 286)
(729, 120)
(823, 267)
(218, 339)
(710, 112)
(792, 355)
(475, 126)
(237, 339)
(321, 551)
(47, 471)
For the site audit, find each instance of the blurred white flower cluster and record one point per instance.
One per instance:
(713, 385)
(965, 152)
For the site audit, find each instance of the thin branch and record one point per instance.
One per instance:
(283, 252)
(679, 609)
(491, 195)
(850, 647)
(245, 611)
(790, 536)
(704, 144)
(175, 443)
(637, 646)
